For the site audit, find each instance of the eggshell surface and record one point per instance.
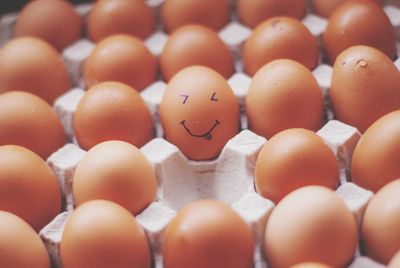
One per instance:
(32, 65)
(324, 8)
(311, 265)
(251, 13)
(292, 159)
(381, 223)
(208, 233)
(28, 187)
(121, 58)
(211, 13)
(358, 22)
(284, 94)
(365, 86)
(109, 17)
(54, 21)
(280, 38)
(20, 245)
(126, 178)
(102, 234)
(311, 224)
(112, 111)
(199, 112)
(29, 121)
(374, 161)
(195, 45)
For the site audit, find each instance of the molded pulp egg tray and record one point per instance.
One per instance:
(230, 177)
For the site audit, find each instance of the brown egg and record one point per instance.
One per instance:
(365, 86)
(358, 22)
(311, 224)
(112, 111)
(195, 45)
(292, 159)
(109, 17)
(311, 265)
(395, 261)
(381, 223)
(29, 121)
(121, 58)
(284, 94)
(54, 21)
(211, 13)
(208, 233)
(199, 112)
(102, 234)
(251, 13)
(324, 8)
(20, 245)
(375, 158)
(126, 178)
(280, 38)
(32, 65)
(28, 187)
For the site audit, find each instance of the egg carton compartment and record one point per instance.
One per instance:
(181, 180)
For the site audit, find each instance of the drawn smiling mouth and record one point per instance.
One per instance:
(206, 135)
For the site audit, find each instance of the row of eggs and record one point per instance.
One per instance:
(117, 59)
(199, 112)
(309, 224)
(60, 25)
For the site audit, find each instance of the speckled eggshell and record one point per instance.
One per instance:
(365, 86)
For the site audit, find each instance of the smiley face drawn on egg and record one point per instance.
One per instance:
(206, 135)
(199, 113)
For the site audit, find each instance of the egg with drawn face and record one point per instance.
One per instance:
(199, 112)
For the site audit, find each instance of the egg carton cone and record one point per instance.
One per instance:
(230, 177)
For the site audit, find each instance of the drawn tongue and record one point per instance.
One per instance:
(207, 136)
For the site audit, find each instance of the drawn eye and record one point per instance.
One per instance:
(213, 97)
(185, 98)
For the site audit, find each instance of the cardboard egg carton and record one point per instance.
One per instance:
(194, 180)
(181, 180)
